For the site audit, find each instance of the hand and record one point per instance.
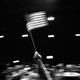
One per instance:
(37, 56)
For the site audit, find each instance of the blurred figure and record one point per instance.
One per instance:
(31, 76)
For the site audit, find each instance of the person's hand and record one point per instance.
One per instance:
(37, 56)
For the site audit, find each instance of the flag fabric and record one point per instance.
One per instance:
(36, 20)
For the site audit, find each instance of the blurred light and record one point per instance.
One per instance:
(60, 64)
(1, 36)
(71, 74)
(77, 34)
(25, 78)
(50, 36)
(49, 57)
(28, 68)
(69, 66)
(16, 61)
(25, 35)
(50, 18)
(18, 66)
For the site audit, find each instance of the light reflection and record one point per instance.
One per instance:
(50, 36)
(16, 61)
(50, 18)
(77, 34)
(1, 36)
(49, 57)
(25, 35)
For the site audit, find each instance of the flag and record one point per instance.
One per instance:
(36, 20)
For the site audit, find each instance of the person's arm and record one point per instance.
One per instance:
(37, 58)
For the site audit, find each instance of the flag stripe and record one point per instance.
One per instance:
(38, 26)
(37, 13)
(35, 22)
(41, 16)
(38, 19)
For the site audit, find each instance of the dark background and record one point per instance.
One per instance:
(65, 46)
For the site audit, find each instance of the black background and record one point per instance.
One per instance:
(65, 46)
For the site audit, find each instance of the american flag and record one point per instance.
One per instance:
(36, 20)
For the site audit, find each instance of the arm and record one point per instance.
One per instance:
(37, 58)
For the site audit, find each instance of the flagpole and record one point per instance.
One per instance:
(32, 41)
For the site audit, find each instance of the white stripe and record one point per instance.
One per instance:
(37, 13)
(40, 16)
(35, 22)
(41, 24)
(37, 26)
(38, 19)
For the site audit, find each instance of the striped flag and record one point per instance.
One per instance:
(36, 20)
